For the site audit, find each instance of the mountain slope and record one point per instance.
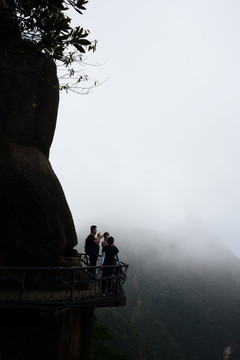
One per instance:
(178, 310)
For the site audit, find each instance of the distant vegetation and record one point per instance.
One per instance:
(102, 351)
(188, 310)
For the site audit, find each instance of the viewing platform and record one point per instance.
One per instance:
(58, 288)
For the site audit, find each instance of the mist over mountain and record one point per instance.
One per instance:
(183, 296)
(189, 242)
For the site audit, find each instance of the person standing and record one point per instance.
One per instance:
(110, 255)
(105, 239)
(92, 246)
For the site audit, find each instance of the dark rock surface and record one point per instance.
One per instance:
(36, 224)
(44, 335)
(29, 100)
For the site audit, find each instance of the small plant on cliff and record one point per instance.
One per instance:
(101, 351)
(44, 26)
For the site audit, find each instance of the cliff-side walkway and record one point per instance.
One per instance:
(60, 287)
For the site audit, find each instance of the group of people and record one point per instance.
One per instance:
(110, 254)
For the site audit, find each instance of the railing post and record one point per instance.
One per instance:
(118, 277)
(22, 286)
(73, 284)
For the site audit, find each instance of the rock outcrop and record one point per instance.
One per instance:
(36, 223)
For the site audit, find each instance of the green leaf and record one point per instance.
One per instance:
(79, 47)
(84, 42)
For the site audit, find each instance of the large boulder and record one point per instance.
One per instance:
(36, 224)
(29, 99)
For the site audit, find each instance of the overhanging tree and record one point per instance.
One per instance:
(43, 26)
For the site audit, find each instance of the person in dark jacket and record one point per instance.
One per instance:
(92, 246)
(110, 256)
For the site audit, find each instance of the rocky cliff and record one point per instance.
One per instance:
(36, 223)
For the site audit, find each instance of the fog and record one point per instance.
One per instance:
(187, 244)
(155, 148)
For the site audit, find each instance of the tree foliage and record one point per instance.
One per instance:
(44, 26)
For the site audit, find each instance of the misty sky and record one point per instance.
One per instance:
(157, 145)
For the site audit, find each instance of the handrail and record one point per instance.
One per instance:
(60, 267)
(59, 286)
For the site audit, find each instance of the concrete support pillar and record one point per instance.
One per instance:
(28, 335)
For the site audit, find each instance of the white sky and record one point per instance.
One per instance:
(158, 143)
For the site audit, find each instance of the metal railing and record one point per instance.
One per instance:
(61, 286)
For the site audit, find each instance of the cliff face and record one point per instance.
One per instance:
(28, 335)
(29, 100)
(36, 223)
